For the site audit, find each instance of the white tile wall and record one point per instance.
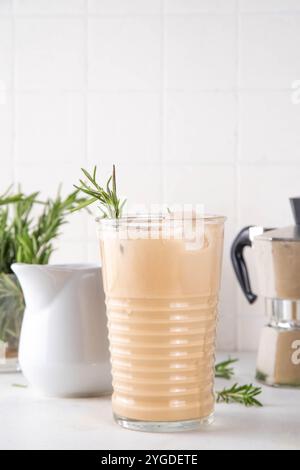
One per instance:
(264, 115)
(190, 98)
(6, 127)
(47, 177)
(49, 53)
(113, 137)
(269, 5)
(6, 52)
(277, 63)
(191, 121)
(196, 6)
(264, 191)
(206, 58)
(57, 124)
(5, 7)
(124, 7)
(202, 183)
(124, 53)
(45, 7)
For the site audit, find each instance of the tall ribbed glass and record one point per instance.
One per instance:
(162, 304)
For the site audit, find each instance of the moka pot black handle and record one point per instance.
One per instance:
(239, 264)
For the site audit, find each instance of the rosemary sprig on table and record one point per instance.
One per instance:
(243, 394)
(110, 205)
(223, 369)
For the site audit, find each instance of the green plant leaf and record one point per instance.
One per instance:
(243, 394)
(223, 370)
(110, 205)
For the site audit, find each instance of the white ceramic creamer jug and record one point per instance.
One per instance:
(64, 348)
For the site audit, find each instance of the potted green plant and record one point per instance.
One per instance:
(24, 238)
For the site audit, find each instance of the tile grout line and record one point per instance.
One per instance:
(86, 87)
(152, 90)
(237, 152)
(66, 15)
(162, 103)
(13, 98)
(86, 98)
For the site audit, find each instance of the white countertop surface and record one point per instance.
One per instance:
(29, 421)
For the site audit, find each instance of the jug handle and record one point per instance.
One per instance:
(242, 240)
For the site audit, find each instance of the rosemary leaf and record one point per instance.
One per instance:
(26, 239)
(110, 205)
(223, 369)
(243, 394)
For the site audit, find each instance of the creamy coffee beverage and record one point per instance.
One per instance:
(162, 303)
(278, 361)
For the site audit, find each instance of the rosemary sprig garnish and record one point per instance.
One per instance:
(243, 394)
(110, 205)
(223, 369)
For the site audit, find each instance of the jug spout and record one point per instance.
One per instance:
(39, 283)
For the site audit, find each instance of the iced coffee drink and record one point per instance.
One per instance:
(162, 303)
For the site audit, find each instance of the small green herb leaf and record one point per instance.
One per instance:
(223, 369)
(110, 205)
(26, 239)
(243, 394)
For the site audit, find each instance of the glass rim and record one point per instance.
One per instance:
(156, 218)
